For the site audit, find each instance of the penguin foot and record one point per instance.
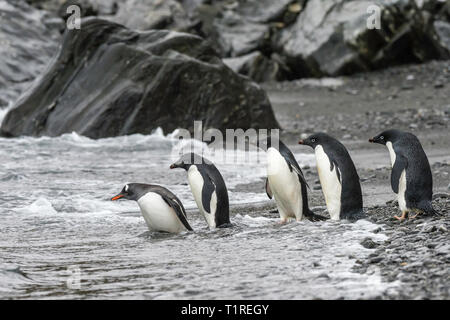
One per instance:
(283, 221)
(402, 217)
(415, 216)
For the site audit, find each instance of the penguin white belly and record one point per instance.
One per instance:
(158, 215)
(391, 152)
(331, 186)
(401, 191)
(402, 182)
(284, 185)
(196, 183)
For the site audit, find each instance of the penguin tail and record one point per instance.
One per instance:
(428, 209)
(225, 225)
(353, 215)
(314, 217)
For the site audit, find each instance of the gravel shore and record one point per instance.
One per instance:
(413, 98)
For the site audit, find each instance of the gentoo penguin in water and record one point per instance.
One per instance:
(209, 189)
(285, 182)
(161, 209)
(338, 177)
(411, 175)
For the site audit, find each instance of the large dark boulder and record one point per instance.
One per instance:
(330, 37)
(108, 80)
(26, 46)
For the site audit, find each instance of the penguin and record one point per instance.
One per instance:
(286, 183)
(338, 177)
(161, 209)
(411, 177)
(208, 188)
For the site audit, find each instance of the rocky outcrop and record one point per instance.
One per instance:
(26, 46)
(303, 38)
(256, 66)
(134, 14)
(108, 80)
(443, 31)
(331, 37)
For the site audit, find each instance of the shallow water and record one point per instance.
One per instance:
(59, 226)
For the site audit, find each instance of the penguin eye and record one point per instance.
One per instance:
(382, 138)
(313, 140)
(126, 188)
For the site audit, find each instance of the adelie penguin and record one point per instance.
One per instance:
(338, 177)
(411, 177)
(208, 188)
(161, 209)
(285, 182)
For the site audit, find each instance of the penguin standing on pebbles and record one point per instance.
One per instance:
(411, 177)
(161, 209)
(337, 175)
(208, 187)
(286, 183)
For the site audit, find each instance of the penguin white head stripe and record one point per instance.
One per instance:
(208, 188)
(161, 209)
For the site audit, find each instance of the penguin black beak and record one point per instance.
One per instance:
(371, 140)
(173, 166)
(120, 195)
(301, 142)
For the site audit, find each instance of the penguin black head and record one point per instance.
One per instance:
(131, 191)
(189, 159)
(316, 139)
(385, 136)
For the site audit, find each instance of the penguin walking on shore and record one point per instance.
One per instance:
(338, 177)
(208, 188)
(411, 177)
(161, 209)
(286, 183)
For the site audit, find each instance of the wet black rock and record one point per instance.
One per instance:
(108, 80)
(368, 243)
(26, 46)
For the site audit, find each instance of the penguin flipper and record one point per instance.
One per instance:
(401, 163)
(334, 164)
(207, 191)
(299, 173)
(177, 206)
(268, 190)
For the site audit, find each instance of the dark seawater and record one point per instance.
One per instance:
(59, 226)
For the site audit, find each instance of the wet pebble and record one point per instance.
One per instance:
(368, 243)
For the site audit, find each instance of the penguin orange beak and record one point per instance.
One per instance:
(300, 142)
(117, 197)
